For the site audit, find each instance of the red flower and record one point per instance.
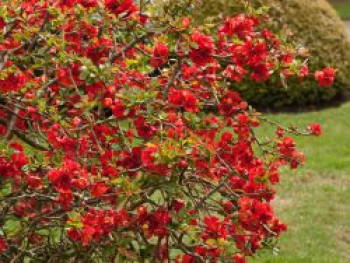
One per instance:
(160, 55)
(184, 98)
(315, 128)
(16, 146)
(214, 228)
(63, 178)
(261, 73)
(287, 146)
(73, 234)
(280, 132)
(65, 199)
(2, 23)
(143, 19)
(87, 235)
(236, 73)
(99, 189)
(186, 22)
(202, 49)
(253, 213)
(147, 156)
(131, 160)
(121, 6)
(144, 129)
(34, 182)
(7, 169)
(325, 77)
(278, 226)
(304, 71)
(238, 258)
(241, 25)
(159, 222)
(118, 109)
(88, 3)
(3, 245)
(287, 59)
(178, 205)
(13, 82)
(190, 101)
(67, 3)
(230, 104)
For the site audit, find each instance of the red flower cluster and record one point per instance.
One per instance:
(202, 49)
(231, 103)
(12, 82)
(144, 129)
(124, 7)
(156, 223)
(240, 25)
(66, 179)
(160, 55)
(97, 224)
(315, 128)
(185, 99)
(3, 245)
(325, 77)
(288, 150)
(12, 167)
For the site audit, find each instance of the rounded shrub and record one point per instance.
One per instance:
(318, 31)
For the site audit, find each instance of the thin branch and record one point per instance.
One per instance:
(127, 47)
(11, 123)
(175, 75)
(25, 139)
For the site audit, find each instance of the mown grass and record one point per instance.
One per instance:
(315, 201)
(343, 10)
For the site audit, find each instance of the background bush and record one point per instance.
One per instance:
(316, 26)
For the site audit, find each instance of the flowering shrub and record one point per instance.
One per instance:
(122, 142)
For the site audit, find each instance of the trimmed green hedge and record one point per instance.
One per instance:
(316, 26)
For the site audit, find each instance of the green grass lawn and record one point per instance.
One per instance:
(315, 201)
(343, 10)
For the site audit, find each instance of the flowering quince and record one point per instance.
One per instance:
(122, 135)
(88, 3)
(121, 6)
(236, 73)
(144, 129)
(184, 98)
(147, 156)
(325, 77)
(99, 189)
(304, 71)
(240, 25)
(186, 22)
(238, 258)
(315, 128)
(178, 205)
(3, 245)
(202, 50)
(2, 23)
(160, 55)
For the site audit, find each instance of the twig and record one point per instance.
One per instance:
(25, 139)
(127, 47)
(176, 74)
(11, 123)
